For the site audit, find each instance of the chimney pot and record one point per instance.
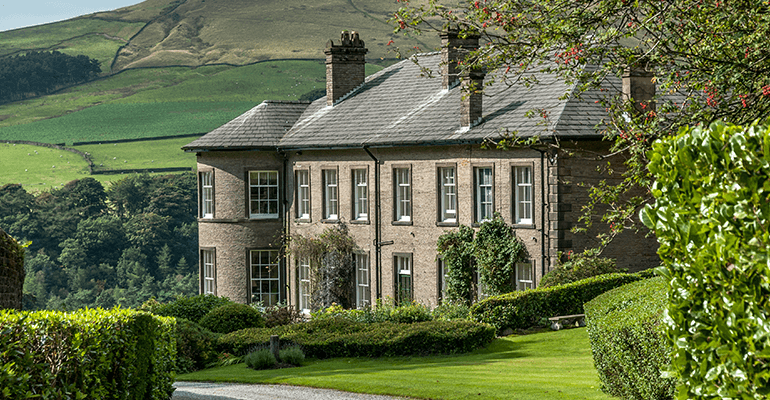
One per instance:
(639, 87)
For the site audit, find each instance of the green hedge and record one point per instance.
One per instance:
(195, 346)
(628, 340)
(192, 308)
(92, 354)
(232, 317)
(525, 309)
(711, 218)
(339, 337)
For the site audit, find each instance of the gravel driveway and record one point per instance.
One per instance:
(237, 391)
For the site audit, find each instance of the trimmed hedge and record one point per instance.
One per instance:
(93, 354)
(525, 309)
(628, 340)
(192, 308)
(232, 317)
(339, 337)
(195, 346)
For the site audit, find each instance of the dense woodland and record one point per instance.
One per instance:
(91, 246)
(39, 72)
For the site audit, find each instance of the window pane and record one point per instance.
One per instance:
(403, 195)
(263, 193)
(265, 277)
(484, 199)
(523, 195)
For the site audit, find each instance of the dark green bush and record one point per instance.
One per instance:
(232, 317)
(524, 309)
(260, 359)
(628, 340)
(195, 346)
(410, 313)
(339, 337)
(292, 355)
(578, 267)
(711, 218)
(192, 308)
(91, 354)
(450, 311)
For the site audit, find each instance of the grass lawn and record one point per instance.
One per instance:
(547, 365)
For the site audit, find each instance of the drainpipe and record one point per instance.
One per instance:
(377, 224)
(286, 224)
(543, 210)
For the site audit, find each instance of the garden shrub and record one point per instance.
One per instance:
(232, 317)
(578, 267)
(339, 337)
(628, 340)
(281, 315)
(260, 359)
(381, 312)
(195, 346)
(292, 355)
(524, 309)
(450, 311)
(410, 313)
(711, 218)
(192, 308)
(94, 354)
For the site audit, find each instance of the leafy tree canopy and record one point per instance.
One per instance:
(709, 60)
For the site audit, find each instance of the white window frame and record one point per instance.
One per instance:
(523, 195)
(266, 193)
(207, 194)
(485, 194)
(441, 279)
(525, 281)
(269, 273)
(363, 280)
(448, 194)
(402, 186)
(209, 271)
(302, 179)
(360, 195)
(403, 268)
(331, 194)
(303, 287)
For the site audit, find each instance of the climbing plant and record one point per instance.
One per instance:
(497, 250)
(456, 249)
(331, 266)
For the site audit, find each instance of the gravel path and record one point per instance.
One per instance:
(237, 391)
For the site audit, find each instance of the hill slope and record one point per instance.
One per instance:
(202, 32)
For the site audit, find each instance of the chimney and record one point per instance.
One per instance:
(344, 66)
(453, 50)
(639, 87)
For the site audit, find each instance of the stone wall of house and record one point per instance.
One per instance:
(579, 167)
(11, 272)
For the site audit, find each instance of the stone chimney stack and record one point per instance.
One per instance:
(453, 50)
(639, 87)
(344, 66)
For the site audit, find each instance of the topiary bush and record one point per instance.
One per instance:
(339, 337)
(195, 346)
(578, 267)
(192, 308)
(524, 309)
(628, 340)
(711, 218)
(232, 317)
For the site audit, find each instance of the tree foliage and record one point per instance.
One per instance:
(100, 248)
(41, 72)
(709, 60)
(711, 217)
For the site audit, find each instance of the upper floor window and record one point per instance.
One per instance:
(302, 178)
(523, 195)
(484, 201)
(361, 195)
(448, 194)
(331, 195)
(207, 194)
(263, 194)
(403, 194)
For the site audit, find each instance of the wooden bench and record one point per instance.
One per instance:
(558, 322)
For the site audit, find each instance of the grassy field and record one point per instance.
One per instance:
(39, 168)
(547, 365)
(141, 155)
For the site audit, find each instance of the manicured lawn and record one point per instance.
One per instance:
(547, 365)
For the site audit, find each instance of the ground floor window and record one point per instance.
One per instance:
(363, 280)
(524, 274)
(403, 264)
(304, 285)
(209, 282)
(265, 277)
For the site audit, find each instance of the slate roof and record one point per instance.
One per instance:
(397, 107)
